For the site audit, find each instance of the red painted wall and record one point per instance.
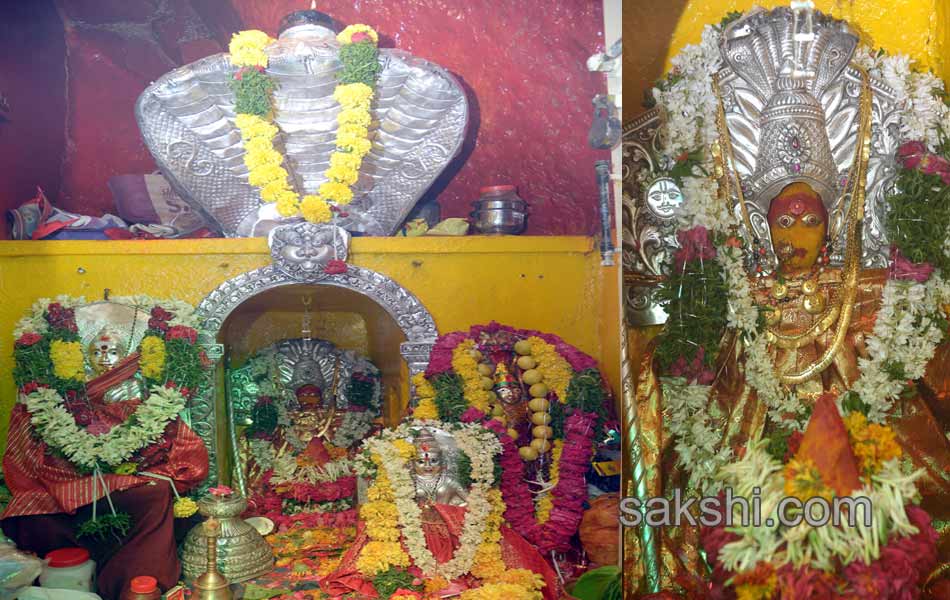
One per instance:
(522, 63)
(32, 76)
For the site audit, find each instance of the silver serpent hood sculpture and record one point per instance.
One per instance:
(419, 119)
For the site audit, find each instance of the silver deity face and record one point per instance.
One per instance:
(302, 250)
(428, 463)
(664, 197)
(105, 350)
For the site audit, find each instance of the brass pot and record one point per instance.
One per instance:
(243, 553)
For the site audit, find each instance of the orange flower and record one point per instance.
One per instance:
(803, 480)
(873, 444)
(757, 584)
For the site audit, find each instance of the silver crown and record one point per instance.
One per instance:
(791, 103)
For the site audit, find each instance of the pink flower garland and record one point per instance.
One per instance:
(440, 360)
(569, 494)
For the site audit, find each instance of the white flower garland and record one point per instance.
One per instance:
(481, 446)
(820, 547)
(354, 427)
(906, 330)
(57, 427)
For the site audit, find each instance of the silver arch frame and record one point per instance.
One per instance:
(403, 306)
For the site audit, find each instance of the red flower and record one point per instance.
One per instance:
(61, 318)
(472, 415)
(28, 339)
(157, 324)
(161, 314)
(794, 443)
(694, 245)
(909, 154)
(181, 332)
(221, 490)
(205, 361)
(931, 164)
(359, 36)
(903, 269)
(805, 584)
(695, 371)
(335, 267)
(29, 387)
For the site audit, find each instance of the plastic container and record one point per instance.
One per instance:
(69, 569)
(143, 587)
(38, 593)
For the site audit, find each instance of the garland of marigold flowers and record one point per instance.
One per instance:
(254, 108)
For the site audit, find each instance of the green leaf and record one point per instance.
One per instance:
(603, 583)
(104, 526)
(449, 396)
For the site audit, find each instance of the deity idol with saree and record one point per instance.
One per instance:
(100, 393)
(421, 519)
(805, 352)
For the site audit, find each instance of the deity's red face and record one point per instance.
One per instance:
(798, 223)
(309, 395)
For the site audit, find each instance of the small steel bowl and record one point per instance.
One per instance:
(506, 221)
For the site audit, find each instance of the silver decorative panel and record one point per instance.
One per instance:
(419, 120)
(407, 311)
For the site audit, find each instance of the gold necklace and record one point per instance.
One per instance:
(852, 258)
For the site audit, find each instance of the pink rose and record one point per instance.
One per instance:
(932, 164)
(694, 245)
(359, 36)
(335, 267)
(903, 269)
(910, 153)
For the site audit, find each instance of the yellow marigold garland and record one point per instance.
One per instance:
(67, 360)
(346, 36)
(546, 503)
(152, 361)
(488, 563)
(247, 49)
(466, 367)
(426, 408)
(501, 591)
(554, 368)
(756, 584)
(383, 549)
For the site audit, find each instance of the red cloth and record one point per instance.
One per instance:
(148, 549)
(442, 538)
(42, 483)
